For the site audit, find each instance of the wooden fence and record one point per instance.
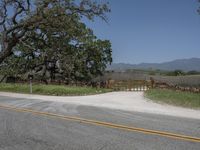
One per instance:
(130, 85)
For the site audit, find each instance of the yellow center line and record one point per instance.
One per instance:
(106, 124)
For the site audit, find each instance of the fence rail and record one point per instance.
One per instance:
(130, 85)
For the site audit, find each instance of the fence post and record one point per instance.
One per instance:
(31, 90)
(30, 76)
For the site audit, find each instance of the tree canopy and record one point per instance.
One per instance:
(49, 39)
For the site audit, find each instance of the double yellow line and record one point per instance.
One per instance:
(105, 124)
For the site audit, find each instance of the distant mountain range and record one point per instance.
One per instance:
(182, 64)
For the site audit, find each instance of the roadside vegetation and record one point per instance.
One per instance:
(178, 98)
(57, 90)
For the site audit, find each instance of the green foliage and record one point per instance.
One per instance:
(176, 73)
(193, 72)
(60, 46)
(152, 72)
(51, 89)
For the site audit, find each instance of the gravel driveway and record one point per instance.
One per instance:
(129, 101)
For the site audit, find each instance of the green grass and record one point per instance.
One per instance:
(178, 98)
(51, 89)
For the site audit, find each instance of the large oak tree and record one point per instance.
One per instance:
(49, 38)
(20, 17)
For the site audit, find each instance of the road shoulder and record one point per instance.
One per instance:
(128, 101)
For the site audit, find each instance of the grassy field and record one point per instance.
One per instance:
(51, 89)
(184, 99)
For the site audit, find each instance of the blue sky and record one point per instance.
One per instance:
(151, 30)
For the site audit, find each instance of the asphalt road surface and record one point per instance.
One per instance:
(42, 125)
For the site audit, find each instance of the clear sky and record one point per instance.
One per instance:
(151, 30)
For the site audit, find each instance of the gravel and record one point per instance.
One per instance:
(128, 101)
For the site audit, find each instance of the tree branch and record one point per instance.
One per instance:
(20, 9)
(4, 14)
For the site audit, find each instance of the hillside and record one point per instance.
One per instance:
(182, 64)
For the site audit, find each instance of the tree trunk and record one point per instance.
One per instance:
(4, 54)
(2, 78)
(6, 47)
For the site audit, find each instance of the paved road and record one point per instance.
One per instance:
(23, 130)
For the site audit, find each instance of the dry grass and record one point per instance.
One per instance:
(184, 99)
